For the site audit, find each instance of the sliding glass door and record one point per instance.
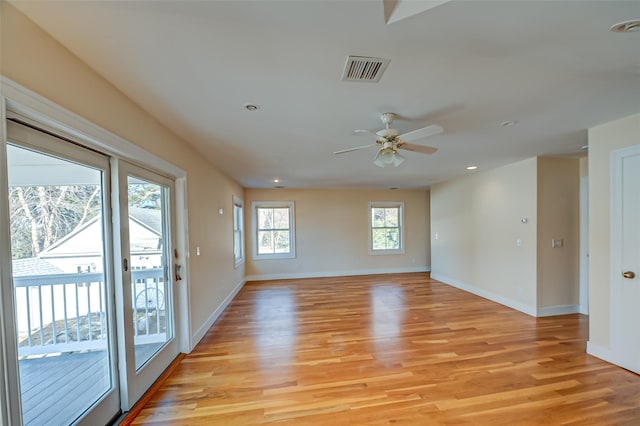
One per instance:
(90, 303)
(62, 279)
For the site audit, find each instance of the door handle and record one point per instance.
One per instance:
(125, 264)
(629, 274)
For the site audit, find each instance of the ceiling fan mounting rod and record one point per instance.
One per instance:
(387, 118)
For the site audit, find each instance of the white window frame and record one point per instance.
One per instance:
(386, 204)
(292, 229)
(238, 227)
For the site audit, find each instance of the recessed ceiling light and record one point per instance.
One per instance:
(509, 123)
(276, 180)
(472, 167)
(626, 26)
(251, 107)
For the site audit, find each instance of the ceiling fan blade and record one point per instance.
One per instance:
(355, 149)
(422, 133)
(423, 149)
(365, 131)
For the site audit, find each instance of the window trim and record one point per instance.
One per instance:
(238, 202)
(254, 229)
(386, 204)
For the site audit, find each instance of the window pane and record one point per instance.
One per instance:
(236, 245)
(265, 242)
(281, 239)
(377, 217)
(378, 239)
(391, 217)
(265, 218)
(281, 218)
(392, 239)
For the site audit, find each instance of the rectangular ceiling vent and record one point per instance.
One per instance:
(363, 68)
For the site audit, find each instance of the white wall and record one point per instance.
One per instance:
(33, 59)
(475, 224)
(332, 233)
(602, 141)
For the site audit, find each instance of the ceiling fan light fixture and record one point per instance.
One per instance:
(387, 157)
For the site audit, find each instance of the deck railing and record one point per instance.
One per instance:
(62, 313)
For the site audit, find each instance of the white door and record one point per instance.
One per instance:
(625, 258)
(146, 298)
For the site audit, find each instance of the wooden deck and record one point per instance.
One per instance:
(57, 389)
(389, 349)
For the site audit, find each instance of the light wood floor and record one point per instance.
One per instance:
(401, 349)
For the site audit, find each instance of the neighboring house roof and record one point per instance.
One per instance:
(150, 218)
(33, 266)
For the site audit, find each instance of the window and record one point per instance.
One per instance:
(385, 228)
(238, 231)
(273, 230)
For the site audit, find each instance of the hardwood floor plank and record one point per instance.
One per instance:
(401, 349)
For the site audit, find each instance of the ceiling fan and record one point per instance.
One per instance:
(390, 141)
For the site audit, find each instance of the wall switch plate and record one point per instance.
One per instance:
(197, 250)
(518, 242)
(556, 243)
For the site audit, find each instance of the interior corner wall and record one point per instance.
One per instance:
(602, 141)
(331, 230)
(33, 59)
(478, 239)
(558, 219)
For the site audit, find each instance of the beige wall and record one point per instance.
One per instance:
(559, 219)
(602, 141)
(477, 220)
(332, 233)
(33, 59)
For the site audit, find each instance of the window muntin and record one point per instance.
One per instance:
(273, 230)
(385, 228)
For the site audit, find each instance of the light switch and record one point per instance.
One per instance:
(556, 243)
(221, 211)
(197, 250)
(437, 236)
(518, 242)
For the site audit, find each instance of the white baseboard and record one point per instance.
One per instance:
(599, 352)
(608, 355)
(529, 310)
(550, 311)
(202, 330)
(266, 277)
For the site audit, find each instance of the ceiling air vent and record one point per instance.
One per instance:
(363, 68)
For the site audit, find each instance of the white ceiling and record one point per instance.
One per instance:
(466, 65)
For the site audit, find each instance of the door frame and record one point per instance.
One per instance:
(50, 116)
(584, 246)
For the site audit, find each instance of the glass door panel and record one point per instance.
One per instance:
(58, 197)
(147, 206)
